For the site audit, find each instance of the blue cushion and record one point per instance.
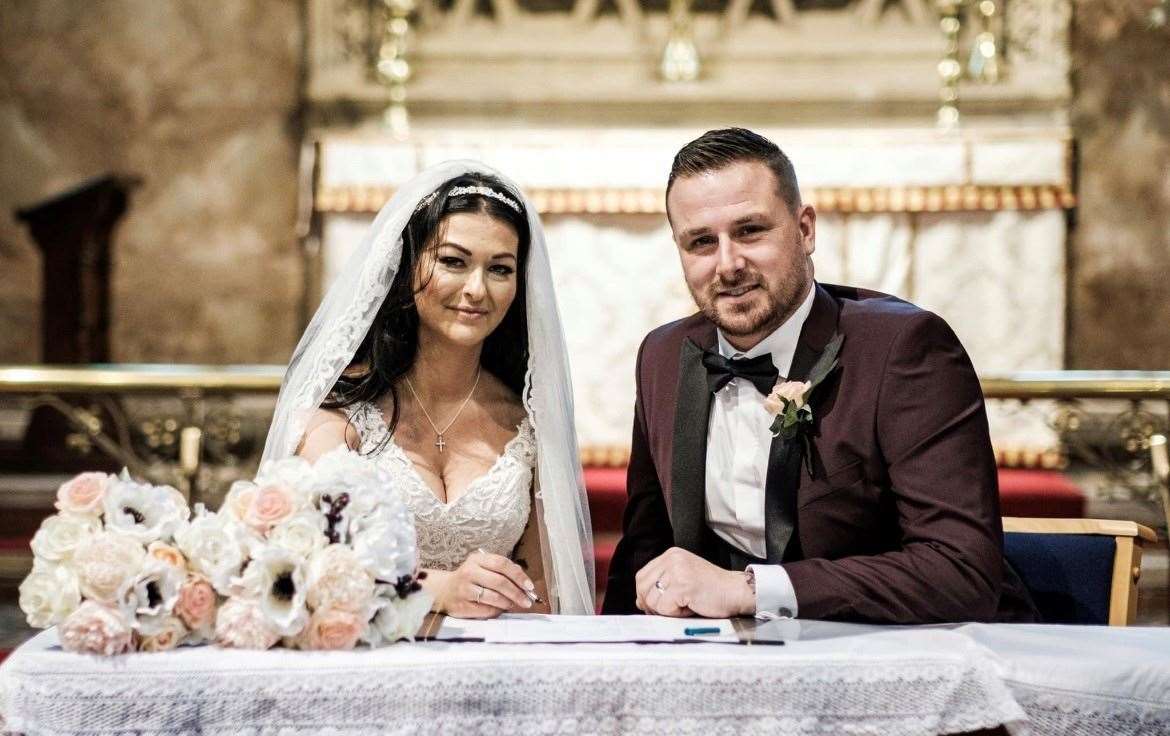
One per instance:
(1068, 575)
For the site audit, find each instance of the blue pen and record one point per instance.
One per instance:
(700, 630)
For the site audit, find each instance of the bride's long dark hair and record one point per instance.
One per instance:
(390, 346)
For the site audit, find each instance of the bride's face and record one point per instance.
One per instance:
(467, 278)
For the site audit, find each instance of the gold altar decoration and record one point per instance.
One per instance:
(925, 199)
(680, 57)
(983, 21)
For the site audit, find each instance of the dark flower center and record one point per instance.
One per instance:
(153, 597)
(283, 587)
(134, 514)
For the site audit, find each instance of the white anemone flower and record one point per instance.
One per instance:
(149, 598)
(144, 512)
(275, 577)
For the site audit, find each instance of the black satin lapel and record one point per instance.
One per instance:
(783, 481)
(688, 472)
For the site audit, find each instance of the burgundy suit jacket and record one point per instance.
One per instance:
(898, 521)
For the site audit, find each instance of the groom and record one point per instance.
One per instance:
(877, 501)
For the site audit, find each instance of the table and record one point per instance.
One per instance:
(828, 679)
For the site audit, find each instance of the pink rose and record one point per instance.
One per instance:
(241, 624)
(332, 628)
(270, 505)
(83, 494)
(793, 391)
(196, 604)
(96, 629)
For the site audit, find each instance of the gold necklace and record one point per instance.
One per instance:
(439, 443)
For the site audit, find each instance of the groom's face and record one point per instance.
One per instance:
(745, 253)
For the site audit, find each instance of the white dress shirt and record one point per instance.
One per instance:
(738, 444)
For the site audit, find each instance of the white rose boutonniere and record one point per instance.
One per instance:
(789, 401)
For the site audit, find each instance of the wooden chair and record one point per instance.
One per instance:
(1081, 571)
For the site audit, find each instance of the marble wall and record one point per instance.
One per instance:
(200, 101)
(1120, 248)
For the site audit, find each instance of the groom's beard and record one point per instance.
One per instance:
(773, 303)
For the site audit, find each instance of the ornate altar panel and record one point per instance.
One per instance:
(969, 225)
(811, 56)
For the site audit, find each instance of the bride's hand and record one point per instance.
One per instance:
(484, 586)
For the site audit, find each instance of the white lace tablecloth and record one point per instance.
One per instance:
(1084, 680)
(894, 682)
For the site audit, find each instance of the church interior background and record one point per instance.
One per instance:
(181, 179)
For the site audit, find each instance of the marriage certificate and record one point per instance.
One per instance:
(534, 628)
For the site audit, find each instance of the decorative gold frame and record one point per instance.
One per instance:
(845, 200)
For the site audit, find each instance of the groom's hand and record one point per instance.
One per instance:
(678, 583)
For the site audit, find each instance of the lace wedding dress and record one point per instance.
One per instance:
(490, 515)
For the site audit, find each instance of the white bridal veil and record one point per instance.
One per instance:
(348, 310)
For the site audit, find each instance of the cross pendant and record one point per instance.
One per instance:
(439, 443)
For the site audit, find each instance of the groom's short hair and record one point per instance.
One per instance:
(717, 149)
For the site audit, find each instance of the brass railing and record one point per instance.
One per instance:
(200, 438)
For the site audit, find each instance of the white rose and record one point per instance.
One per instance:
(386, 543)
(238, 499)
(292, 472)
(49, 594)
(59, 535)
(215, 546)
(144, 512)
(105, 564)
(337, 580)
(303, 534)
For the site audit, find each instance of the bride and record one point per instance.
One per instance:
(438, 352)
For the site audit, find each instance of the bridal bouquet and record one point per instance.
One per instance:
(328, 556)
(314, 556)
(106, 569)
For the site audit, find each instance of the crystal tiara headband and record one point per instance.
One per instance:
(480, 190)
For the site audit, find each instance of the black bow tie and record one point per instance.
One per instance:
(759, 370)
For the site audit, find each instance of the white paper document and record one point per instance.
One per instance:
(534, 628)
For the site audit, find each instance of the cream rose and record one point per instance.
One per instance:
(96, 629)
(330, 629)
(789, 391)
(302, 534)
(168, 554)
(49, 594)
(60, 535)
(169, 634)
(196, 604)
(241, 624)
(106, 564)
(238, 499)
(83, 494)
(270, 505)
(337, 580)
